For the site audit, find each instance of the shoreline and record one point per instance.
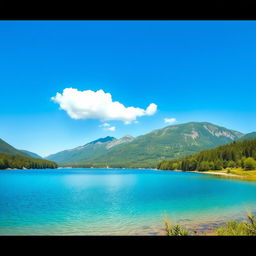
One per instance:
(219, 173)
(224, 174)
(241, 177)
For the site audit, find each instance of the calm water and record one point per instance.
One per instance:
(109, 202)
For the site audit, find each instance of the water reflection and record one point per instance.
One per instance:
(111, 182)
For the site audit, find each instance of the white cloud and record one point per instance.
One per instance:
(151, 109)
(98, 104)
(170, 120)
(108, 127)
(104, 125)
(112, 128)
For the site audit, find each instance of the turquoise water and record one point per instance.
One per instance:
(113, 202)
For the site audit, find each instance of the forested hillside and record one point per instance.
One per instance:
(236, 154)
(146, 151)
(7, 148)
(20, 162)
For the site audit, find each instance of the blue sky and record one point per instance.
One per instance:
(192, 71)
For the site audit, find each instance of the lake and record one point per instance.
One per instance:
(116, 202)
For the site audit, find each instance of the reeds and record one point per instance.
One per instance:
(175, 230)
(231, 228)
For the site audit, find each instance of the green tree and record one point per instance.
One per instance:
(231, 164)
(225, 156)
(204, 166)
(218, 165)
(249, 164)
(175, 166)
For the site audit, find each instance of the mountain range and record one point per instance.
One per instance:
(146, 151)
(89, 151)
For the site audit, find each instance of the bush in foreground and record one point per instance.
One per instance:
(232, 228)
(175, 230)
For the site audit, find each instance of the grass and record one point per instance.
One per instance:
(175, 230)
(248, 175)
(234, 228)
(231, 228)
(240, 171)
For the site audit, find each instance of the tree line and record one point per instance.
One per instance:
(236, 154)
(19, 162)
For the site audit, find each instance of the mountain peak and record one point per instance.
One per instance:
(170, 142)
(124, 139)
(101, 140)
(127, 136)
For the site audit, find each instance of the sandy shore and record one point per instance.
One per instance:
(219, 173)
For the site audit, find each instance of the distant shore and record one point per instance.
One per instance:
(219, 173)
(236, 173)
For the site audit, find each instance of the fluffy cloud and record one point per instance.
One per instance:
(112, 128)
(151, 109)
(108, 127)
(90, 104)
(170, 120)
(104, 125)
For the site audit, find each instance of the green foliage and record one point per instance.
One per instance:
(203, 166)
(175, 230)
(249, 163)
(7, 148)
(235, 154)
(11, 157)
(231, 228)
(234, 228)
(20, 162)
(218, 165)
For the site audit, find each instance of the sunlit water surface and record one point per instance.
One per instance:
(116, 202)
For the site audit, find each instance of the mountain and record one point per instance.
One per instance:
(148, 150)
(248, 136)
(101, 140)
(167, 143)
(89, 150)
(7, 148)
(31, 154)
(11, 157)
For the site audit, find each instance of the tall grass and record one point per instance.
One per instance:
(234, 228)
(175, 230)
(231, 228)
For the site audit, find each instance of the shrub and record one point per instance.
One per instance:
(175, 230)
(249, 163)
(234, 228)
